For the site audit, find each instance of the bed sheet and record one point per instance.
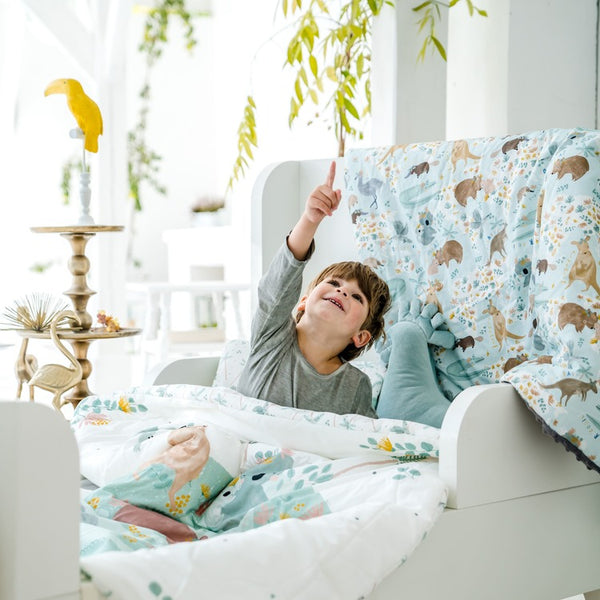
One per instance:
(284, 503)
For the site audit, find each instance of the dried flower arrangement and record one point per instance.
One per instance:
(35, 312)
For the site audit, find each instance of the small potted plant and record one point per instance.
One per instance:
(209, 211)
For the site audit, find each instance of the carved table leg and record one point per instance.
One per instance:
(79, 265)
(81, 390)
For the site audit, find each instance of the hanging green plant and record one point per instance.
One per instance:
(332, 65)
(143, 163)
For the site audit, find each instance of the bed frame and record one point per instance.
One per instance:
(523, 515)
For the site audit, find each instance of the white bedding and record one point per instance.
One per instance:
(373, 508)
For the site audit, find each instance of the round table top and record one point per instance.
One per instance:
(95, 333)
(77, 228)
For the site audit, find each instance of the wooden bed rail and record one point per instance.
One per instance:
(493, 449)
(39, 504)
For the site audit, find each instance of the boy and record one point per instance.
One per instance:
(303, 362)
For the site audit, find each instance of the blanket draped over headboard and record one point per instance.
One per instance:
(503, 234)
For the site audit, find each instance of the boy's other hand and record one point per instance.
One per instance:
(323, 200)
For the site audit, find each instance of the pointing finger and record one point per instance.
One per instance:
(330, 175)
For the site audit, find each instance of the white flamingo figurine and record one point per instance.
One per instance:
(58, 378)
(25, 367)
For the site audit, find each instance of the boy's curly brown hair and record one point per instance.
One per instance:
(372, 286)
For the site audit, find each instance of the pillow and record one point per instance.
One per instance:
(235, 354)
(231, 363)
(375, 370)
(410, 389)
(194, 465)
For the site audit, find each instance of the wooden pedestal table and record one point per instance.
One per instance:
(79, 293)
(79, 264)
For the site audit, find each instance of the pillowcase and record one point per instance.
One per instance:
(235, 354)
(231, 363)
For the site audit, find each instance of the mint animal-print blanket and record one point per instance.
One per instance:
(503, 234)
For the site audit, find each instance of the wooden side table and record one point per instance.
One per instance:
(79, 293)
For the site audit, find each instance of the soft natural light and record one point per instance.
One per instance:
(196, 106)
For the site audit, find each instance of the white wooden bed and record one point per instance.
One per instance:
(522, 519)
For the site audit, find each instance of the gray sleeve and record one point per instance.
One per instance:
(278, 292)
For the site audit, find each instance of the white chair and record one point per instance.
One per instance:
(158, 336)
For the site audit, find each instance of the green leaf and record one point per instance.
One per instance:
(302, 74)
(298, 90)
(422, 6)
(312, 62)
(439, 46)
(351, 108)
(360, 61)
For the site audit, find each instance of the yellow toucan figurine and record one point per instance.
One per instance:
(84, 109)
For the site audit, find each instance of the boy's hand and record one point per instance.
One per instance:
(323, 200)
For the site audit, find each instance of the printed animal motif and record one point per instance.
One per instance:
(569, 387)
(577, 166)
(584, 267)
(467, 342)
(542, 266)
(467, 188)
(431, 297)
(499, 322)
(523, 269)
(543, 360)
(497, 244)
(369, 187)
(419, 169)
(401, 230)
(512, 144)
(372, 262)
(451, 250)
(425, 230)
(572, 313)
(512, 362)
(391, 151)
(524, 190)
(460, 151)
(540, 205)
(187, 455)
(357, 213)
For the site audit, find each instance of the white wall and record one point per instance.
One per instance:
(531, 64)
(528, 65)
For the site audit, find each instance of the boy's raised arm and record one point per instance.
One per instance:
(322, 202)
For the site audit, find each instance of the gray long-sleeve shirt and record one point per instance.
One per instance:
(277, 370)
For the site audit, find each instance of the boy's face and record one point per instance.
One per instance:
(341, 303)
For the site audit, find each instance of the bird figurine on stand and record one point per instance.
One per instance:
(58, 378)
(25, 367)
(89, 119)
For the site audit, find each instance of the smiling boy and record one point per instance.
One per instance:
(303, 362)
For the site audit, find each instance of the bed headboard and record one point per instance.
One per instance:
(278, 199)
